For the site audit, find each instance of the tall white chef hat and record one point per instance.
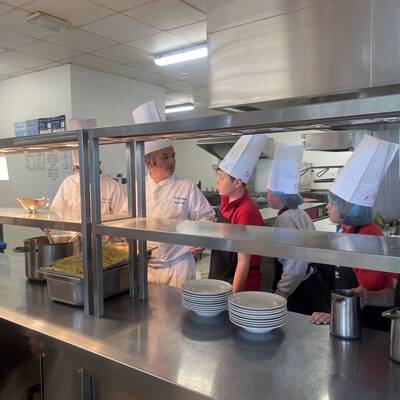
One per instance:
(286, 168)
(80, 123)
(243, 156)
(144, 114)
(359, 180)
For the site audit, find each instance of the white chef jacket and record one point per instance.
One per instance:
(294, 271)
(174, 198)
(113, 197)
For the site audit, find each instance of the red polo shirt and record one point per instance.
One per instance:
(371, 280)
(242, 211)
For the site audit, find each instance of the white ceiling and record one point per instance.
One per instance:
(114, 36)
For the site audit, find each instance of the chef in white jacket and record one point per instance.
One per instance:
(68, 197)
(169, 196)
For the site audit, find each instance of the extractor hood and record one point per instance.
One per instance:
(274, 51)
(331, 141)
(219, 147)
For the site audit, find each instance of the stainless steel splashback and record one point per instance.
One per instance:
(279, 49)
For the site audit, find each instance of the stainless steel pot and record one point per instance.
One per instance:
(394, 315)
(39, 252)
(345, 314)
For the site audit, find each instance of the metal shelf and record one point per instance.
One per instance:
(376, 252)
(41, 219)
(56, 220)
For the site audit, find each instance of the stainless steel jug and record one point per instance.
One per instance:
(345, 314)
(394, 315)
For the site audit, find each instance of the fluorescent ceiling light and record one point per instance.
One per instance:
(49, 22)
(182, 55)
(3, 169)
(179, 108)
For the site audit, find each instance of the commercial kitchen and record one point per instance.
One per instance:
(199, 199)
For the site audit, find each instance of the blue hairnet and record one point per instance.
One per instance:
(350, 213)
(289, 200)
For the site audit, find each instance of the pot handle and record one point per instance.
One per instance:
(20, 249)
(392, 313)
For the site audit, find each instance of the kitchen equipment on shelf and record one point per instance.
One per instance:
(49, 237)
(345, 314)
(206, 297)
(75, 237)
(257, 312)
(40, 252)
(394, 315)
(32, 204)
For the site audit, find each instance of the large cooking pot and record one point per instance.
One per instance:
(39, 252)
(394, 315)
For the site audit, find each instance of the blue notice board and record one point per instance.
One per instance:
(20, 128)
(32, 127)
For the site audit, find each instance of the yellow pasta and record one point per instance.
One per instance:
(74, 264)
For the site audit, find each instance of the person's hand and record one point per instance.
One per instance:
(320, 318)
(363, 295)
(196, 250)
(106, 239)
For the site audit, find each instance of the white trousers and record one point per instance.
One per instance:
(176, 274)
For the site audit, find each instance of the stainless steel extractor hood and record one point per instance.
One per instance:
(219, 147)
(329, 141)
(272, 51)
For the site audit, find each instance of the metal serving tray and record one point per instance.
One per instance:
(68, 288)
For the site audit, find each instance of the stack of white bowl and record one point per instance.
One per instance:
(257, 312)
(206, 297)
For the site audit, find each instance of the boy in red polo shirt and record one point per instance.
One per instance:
(240, 269)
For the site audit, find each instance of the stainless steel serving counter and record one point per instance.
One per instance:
(164, 351)
(366, 251)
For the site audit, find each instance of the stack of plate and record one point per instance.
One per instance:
(206, 297)
(257, 312)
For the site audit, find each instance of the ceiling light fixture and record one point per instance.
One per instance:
(181, 55)
(49, 22)
(179, 108)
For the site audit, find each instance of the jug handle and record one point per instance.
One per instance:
(20, 249)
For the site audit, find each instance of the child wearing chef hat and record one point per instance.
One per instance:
(295, 280)
(351, 200)
(236, 207)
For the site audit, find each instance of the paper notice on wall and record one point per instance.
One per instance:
(20, 128)
(53, 166)
(32, 127)
(29, 162)
(44, 125)
(40, 161)
(58, 124)
(66, 162)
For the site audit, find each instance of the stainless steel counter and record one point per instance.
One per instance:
(41, 219)
(169, 348)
